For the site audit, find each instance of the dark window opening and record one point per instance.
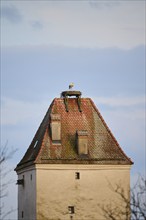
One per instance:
(77, 175)
(22, 214)
(71, 209)
(31, 176)
(35, 144)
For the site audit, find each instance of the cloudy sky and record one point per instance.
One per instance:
(98, 45)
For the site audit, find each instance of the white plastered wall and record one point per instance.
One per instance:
(57, 189)
(27, 194)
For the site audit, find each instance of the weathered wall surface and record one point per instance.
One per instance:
(58, 188)
(27, 195)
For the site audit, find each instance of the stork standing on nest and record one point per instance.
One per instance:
(71, 85)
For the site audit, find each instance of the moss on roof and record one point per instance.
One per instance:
(103, 148)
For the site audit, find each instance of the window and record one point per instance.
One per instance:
(22, 214)
(30, 176)
(71, 209)
(35, 144)
(77, 175)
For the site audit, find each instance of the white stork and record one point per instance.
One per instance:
(71, 85)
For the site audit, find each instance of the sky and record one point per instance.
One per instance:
(98, 45)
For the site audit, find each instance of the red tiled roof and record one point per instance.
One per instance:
(102, 145)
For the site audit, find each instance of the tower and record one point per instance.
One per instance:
(66, 171)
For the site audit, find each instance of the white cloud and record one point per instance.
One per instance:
(120, 101)
(77, 24)
(15, 111)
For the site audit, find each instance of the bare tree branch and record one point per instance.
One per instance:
(126, 209)
(5, 155)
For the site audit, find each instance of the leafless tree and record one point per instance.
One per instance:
(133, 208)
(138, 200)
(5, 155)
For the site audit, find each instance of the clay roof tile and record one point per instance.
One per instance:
(103, 148)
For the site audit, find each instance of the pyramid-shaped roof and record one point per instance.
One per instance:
(75, 116)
